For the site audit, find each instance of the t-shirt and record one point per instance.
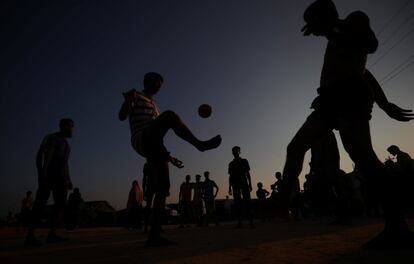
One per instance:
(185, 191)
(261, 194)
(347, 50)
(344, 89)
(238, 169)
(53, 157)
(208, 189)
(143, 111)
(198, 189)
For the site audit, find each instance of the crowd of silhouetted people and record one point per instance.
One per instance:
(339, 195)
(70, 217)
(327, 193)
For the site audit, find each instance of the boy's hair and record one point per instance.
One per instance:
(235, 148)
(150, 77)
(393, 148)
(320, 11)
(65, 121)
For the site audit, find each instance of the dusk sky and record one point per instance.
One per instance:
(246, 58)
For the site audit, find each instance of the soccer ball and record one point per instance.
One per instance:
(204, 110)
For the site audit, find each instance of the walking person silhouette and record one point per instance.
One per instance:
(346, 96)
(52, 162)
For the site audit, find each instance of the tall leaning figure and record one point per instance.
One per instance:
(345, 99)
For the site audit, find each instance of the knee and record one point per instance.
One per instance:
(294, 149)
(170, 116)
(367, 160)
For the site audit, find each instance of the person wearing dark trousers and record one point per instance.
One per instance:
(53, 178)
(240, 186)
(148, 129)
(345, 99)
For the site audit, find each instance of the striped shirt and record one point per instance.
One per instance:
(143, 111)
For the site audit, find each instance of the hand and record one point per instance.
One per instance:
(306, 30)
(397, 113)
(250, 188)
(230, 192)
(176, 162)
(130, 95)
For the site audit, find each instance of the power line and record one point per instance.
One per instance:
(398, 73)
(393, 17)
(397, 68)
(400, 26)
(392, 47)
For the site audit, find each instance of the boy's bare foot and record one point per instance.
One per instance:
(210, 144)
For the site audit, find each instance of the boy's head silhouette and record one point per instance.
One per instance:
(236, 151)
(320, 17)
(66, 127)
(278, 175)
(187, 178)
(206, 175)
(152, 82)
(358, 21)
(393, 149)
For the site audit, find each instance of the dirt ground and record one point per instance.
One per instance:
(302, 242)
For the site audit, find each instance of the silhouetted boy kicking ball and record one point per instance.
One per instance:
(148, 128)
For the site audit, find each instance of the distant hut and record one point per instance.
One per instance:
(97, 213)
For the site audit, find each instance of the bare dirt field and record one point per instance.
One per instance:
(302, 242)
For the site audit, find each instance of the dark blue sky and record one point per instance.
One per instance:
(247, 59)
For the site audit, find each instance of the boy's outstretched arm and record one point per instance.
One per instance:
(389, 108)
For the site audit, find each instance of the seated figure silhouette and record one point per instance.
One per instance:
(134, 206)
(25, 211)
(148, 128)
(346, 96)
(73, 208)
(261, 195)
(404, 162)
(403, 170)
